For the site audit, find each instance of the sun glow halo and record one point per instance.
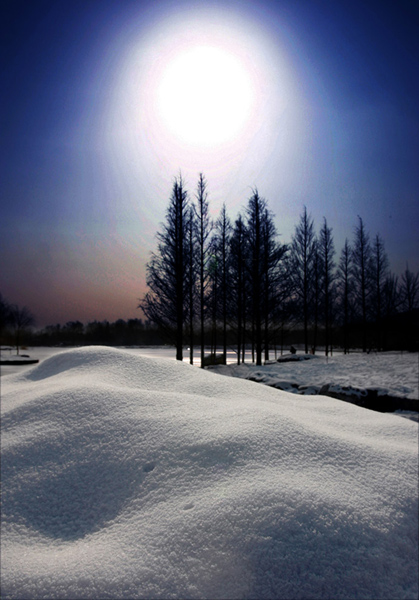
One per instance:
(205, 96)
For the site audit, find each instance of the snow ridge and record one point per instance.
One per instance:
(128, 477)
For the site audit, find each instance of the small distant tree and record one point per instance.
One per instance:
(20, 319)
(4, 315)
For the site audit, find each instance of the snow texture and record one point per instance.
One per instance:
(130, 477)
(395, 374)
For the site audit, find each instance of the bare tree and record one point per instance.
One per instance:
(391, 303)
(264, 254)
(167, 279)
(192, 276)
(409, 296)
(317, 292)
(20, 319)
(379, 272)
(302, 260)
(409, 290)
(327, 252)
(238, 283)
(255, 214)
(204, 227)
(345, 290)
(222, 235)
(4, 315)
(272, 255)
(361, 260)
(214, 290)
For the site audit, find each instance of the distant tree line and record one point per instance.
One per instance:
(234, 284)
(133, 332)
(15, 321)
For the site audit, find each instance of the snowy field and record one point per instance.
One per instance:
(393, 373)
(396, 373)
(126, 476)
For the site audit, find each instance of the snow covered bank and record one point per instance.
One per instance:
(391, 374)
(128, 477)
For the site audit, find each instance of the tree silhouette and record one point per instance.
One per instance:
(20, 319)
(255, 214)
(204, 227)
(249, 288)
(238, 253)
(344, 278)
(361, 260)
(4, 315)
(165, 304)
(409, 290)
(379, 272)
(263, 257)
(192, 276)
(302, 261)
(221, 248)
(327, 252)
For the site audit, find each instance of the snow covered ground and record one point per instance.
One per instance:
(393, 373)
(131, 477)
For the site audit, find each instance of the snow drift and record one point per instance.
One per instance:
(128, 477)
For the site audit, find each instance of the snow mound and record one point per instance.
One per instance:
(128, 477)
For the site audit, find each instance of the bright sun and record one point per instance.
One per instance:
(205, 96)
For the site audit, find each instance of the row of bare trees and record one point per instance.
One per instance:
(238, 282)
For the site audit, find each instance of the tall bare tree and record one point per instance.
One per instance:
(361, 260)
(344, 277)
(255, 214)
(327, 252)
(302, 261)
(379, 272)
(192, 276)
(238, 282)
(272, 256)
(166, 302)
(222, 236)
(204, 227)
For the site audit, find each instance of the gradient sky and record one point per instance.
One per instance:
(88, 157)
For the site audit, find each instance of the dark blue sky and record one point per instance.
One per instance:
(87, 166)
